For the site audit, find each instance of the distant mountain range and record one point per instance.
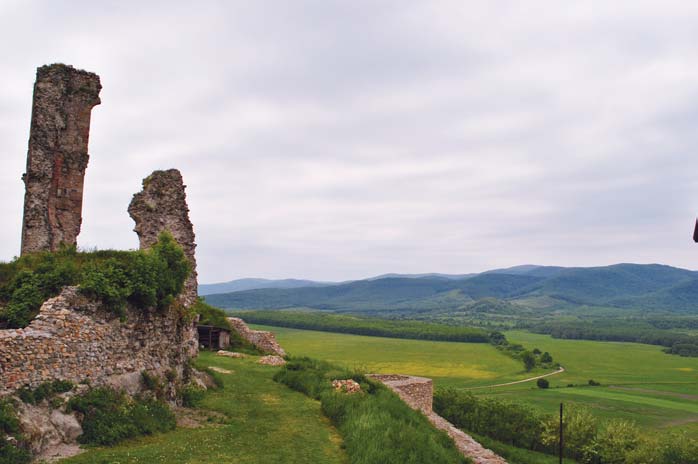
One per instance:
(252, 284)
(629, 286)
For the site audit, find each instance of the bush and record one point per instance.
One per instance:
(110, 416)
(44, 391)
(579, 429)
(192, 396)
(594, 383)
(509, 423)
(9, 427)
(145, 278)
(543, 383)
(613, 442)
(376, 425)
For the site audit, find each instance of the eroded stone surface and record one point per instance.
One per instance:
(75, 338)
(57, 156)
(272, 360)
(261, 339)
(465, 443)
(162, 206)
(417, 392)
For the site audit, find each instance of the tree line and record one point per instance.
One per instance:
(363, 326)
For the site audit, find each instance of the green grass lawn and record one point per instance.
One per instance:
(448, 363)
(265, 422)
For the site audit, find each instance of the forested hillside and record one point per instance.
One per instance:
(622, 286)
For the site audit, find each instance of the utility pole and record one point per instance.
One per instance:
(561, 433)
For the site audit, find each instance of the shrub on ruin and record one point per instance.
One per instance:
(210, 315)
(144, 278)
(109, 416)
(45, 391)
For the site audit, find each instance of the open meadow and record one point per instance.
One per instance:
(452, 364)
(638, 382)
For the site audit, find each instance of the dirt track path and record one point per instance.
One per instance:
(559, 371)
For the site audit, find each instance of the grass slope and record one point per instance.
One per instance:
(265, 423)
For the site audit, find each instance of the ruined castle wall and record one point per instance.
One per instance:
(262, 339)
(75, 338)
(57, 156)
(162, 206)
(417, 392)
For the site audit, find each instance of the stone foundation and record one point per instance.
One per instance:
(74, 338)
(263, 340)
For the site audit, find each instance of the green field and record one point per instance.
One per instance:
(639, 382)
(448, 363)
(257, 421)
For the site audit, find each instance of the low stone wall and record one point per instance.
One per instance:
(417, 392)
(262, 339)
(74, 338)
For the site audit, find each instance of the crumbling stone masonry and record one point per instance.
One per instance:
(418, 393)
(263, 340)
(162, 206)
(57, 156)
(75, 338)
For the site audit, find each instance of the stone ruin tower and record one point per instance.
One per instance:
(57, 157)
(162, 206)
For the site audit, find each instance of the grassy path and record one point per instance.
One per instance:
(264, 422)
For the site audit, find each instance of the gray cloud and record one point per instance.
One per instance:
(336, 140)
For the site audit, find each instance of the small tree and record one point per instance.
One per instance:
(529, 360)
(546, 358)
(543, 383)
(536, 351)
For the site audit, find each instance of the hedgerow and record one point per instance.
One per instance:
(143, 278)
(586, 439)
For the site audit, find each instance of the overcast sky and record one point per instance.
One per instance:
(342, 139)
